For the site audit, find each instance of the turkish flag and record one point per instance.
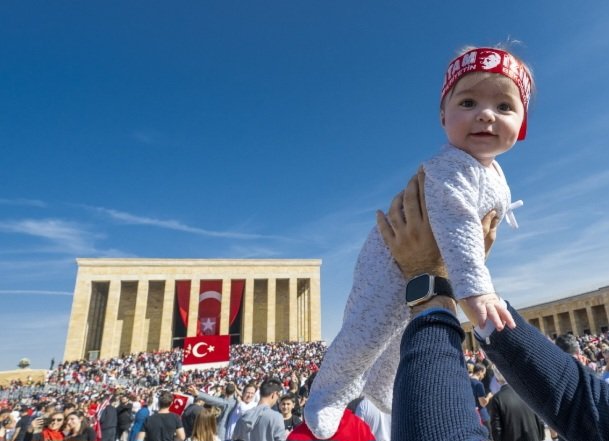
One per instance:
(210, 301)
(179, 403)
(208, 351)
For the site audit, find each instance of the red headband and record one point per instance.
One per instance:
(484, 59)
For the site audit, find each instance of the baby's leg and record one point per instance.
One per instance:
(380, 378)
(375, 311)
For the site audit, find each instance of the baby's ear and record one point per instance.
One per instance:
(442, 117)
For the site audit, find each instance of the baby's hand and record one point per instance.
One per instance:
(487, 306)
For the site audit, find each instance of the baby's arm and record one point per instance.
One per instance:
(454, 205)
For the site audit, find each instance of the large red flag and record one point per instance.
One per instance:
(210, 301)
(179, 403)
(208, 351)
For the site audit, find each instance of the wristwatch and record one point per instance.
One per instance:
(421, 288)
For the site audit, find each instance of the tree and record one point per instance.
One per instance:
(24, 363)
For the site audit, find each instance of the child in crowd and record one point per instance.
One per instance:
(483, 110)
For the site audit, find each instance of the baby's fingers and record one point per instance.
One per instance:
(493, 316)
(505, 316)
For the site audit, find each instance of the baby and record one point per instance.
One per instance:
(483, 110)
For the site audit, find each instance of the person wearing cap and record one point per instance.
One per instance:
(24, 422)
(483, 111)
(432, 396)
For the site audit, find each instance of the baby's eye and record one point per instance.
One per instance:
(504, 107)
(467, 103)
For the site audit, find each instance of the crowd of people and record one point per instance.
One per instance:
(75, 399)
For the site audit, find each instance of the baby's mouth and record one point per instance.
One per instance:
(482, 134)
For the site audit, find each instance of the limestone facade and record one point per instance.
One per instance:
(123, 306)
(586, 313)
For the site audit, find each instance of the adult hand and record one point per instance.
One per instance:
(193, 390)
(408, 235)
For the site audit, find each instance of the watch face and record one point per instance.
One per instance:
(417, 288)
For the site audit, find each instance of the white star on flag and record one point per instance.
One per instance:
(211, 348)
(208, 325)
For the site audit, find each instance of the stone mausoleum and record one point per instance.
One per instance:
(123, 306)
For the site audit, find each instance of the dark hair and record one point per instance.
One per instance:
(568, 343)
(84, 424)
(165, 399)
(270, 386)
(229, 389)
(479, 367)
(288, 396)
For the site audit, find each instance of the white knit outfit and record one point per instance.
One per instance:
(364, 356)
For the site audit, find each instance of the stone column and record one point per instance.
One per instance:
(271, 306)
(293, 310)
(557, 324)
(77, 333)
(139, 337)
(591, 320)
(193, 308)
(109, 346)
(542, 325)
(248, 312)
(225, 307)
(573, 322)
(165, 341)
(315, 315)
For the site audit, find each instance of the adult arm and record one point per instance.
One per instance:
(180, 434)
(563, 392)
(432, 392)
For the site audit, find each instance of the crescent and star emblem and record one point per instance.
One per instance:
(208, 350)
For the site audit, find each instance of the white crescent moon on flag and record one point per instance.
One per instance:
(210, 295)
(195, 351)
(179, 401)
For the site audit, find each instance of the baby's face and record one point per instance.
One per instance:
(482, 115)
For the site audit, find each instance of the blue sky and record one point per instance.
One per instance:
(274, 129)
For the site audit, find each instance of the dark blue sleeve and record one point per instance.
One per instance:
(432, 395)
(563, 392)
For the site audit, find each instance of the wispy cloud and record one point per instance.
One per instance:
(68, 237)
(33, 292)
(170, 224)
(23, 202)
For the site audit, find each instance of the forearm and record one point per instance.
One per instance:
(211, 400)
(432, 393)
(558, 388)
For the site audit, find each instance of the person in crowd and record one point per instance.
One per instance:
(565, 394)
(204, 428)
(246, 403)
(379, 422)
(164, 425)
(124, 417)
(23, 423)
(108, 419)
(68, 408)
(46, 428)
(262, 423)
(511, 419)
(7, 424)
(350, 428)
(286, 407)
(140, 418)
(190, 415)
(227, 405)
(481, 396)
(78, 429)
(464, 182)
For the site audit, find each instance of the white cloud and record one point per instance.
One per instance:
(34, 292)
(170, 224)
(68, 237)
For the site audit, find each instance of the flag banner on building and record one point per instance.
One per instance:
(236, 294)
(179, 403)
(183, 295)
(204, 352)
(210, 301)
